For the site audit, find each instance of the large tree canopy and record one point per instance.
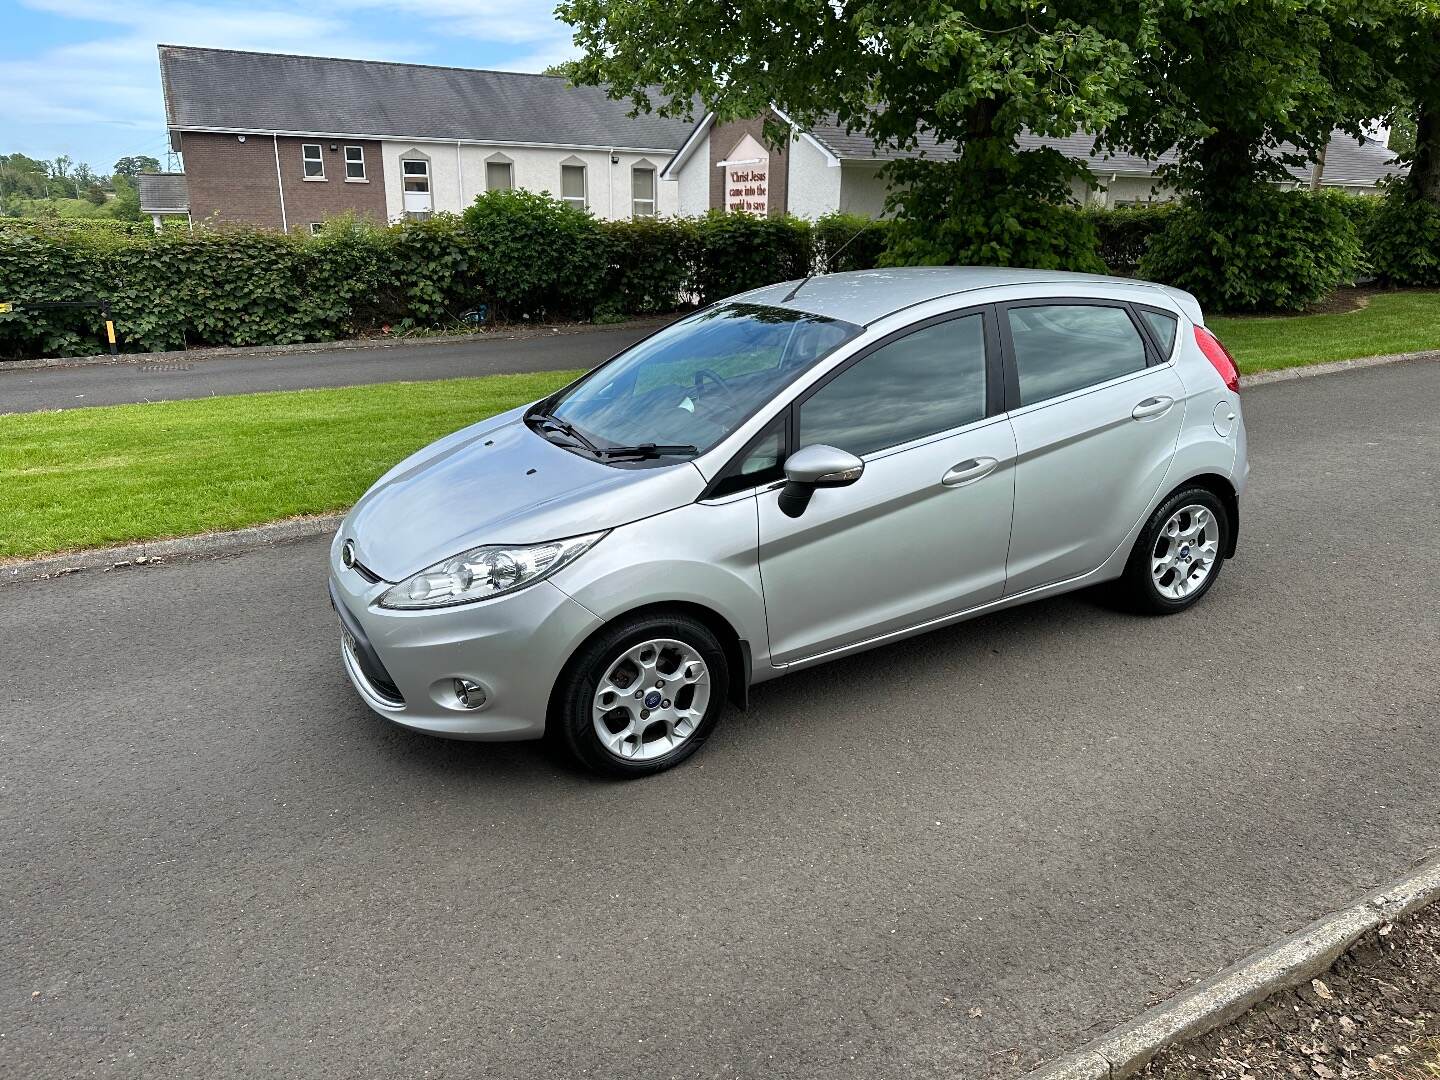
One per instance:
(1411, 50)
(965, 72)
(1241, 88)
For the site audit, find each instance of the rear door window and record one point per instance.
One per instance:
(1064, 347)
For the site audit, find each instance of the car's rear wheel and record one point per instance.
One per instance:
(1178, 554)
(642, 696)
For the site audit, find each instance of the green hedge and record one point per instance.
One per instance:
(1272, 251)
(1401, 234)
(524, 256)
(1125, 231)
(520, 255)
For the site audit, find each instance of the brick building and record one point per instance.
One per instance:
(285, 142)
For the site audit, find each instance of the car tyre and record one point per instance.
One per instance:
(641, 696)
(1178, 555)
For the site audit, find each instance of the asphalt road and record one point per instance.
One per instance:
(33, 389)
(951, 857)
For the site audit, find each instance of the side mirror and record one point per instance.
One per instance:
(816, 467)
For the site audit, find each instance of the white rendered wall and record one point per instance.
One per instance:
(457, 175)
(692, 185)
(863, 190)
(813, 184)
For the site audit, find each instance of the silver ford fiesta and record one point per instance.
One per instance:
(783, 478)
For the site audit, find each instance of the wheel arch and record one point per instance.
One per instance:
(1224, 490)
(737, 649)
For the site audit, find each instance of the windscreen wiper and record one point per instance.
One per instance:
(555, 423)
(643, 451)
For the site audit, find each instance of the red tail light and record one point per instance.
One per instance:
(1219, 357)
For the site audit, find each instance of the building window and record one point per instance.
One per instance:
(315, 227)
(310, 154)
(415, 188)
(354, 163)
(572, 185)
(499, 176)
(642, 191)
(417, 176)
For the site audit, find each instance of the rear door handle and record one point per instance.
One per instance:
(1152, 406)
(967, 472)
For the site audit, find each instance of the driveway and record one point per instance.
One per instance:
(32, 389)
(951, 857)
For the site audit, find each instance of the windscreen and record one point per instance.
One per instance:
(694, 382)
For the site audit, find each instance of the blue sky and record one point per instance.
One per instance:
(80, 77)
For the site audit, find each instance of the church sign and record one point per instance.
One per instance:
(747, 178)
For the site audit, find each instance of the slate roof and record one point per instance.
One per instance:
(1346, 161)
(227, 90)
(162, 191)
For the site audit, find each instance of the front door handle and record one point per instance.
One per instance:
(967, 472)
(1152, 406)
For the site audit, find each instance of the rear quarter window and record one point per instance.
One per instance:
(1163, 327)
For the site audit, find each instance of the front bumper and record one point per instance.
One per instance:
(404, 663)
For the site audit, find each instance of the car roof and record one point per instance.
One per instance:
(863, 296)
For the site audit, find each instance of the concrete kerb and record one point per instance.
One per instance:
(1302, 956)
(151, 552)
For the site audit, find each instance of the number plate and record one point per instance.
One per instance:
(347, 638)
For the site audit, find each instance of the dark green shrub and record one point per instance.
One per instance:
(736, 252)
(1402, 239)
(1124, 232)
(992, 207)
(651, 266)
(49, 266)
(434, 276)
(848, 242)
(536, 255)
(1271, 250)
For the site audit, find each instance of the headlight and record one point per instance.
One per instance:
(483, 572)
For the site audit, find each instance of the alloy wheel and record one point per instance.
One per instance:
(651, 699)
(1186, 552)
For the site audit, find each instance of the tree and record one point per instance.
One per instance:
(1240, 89)
(126, 204)
(565, 69)
(1413, 55)
(24, 176)
(135, 164)
(966, 73)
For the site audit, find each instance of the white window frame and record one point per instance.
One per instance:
(406, 175)
(507, 165)
(306, 160)
(582, 202)
(635, 201)
(362, 178)
(315, 227)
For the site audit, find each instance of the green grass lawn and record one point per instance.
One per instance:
(1398, 322)
(91, 477)
(85, 478)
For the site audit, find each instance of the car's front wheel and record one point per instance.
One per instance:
(1178, 554)
(642, 696)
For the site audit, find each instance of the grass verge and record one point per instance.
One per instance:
(1399, 322)
(85, 478)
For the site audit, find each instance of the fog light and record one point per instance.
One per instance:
(471, 695)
